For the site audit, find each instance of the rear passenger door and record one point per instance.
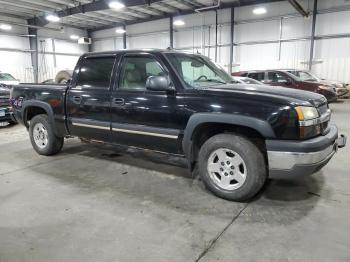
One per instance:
(88, 98)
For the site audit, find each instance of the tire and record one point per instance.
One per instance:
(232, 167)
(42, 137)
(63, 76)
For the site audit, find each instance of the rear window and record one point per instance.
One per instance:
(95, 72)
(257, 76)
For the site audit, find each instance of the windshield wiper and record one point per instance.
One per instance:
(215, 81)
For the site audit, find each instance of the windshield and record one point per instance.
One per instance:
(6, 77)
(304, 76)
(198, 71)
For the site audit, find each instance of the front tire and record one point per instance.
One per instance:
(42, 137)
(232, 167)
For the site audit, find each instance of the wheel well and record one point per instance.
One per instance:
(205, 131)
(31, 112)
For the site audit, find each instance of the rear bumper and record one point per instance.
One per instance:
(290, 159)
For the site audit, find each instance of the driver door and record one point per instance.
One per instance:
(140, 117)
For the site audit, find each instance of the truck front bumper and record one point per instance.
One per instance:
(6, 115)
(290, 159)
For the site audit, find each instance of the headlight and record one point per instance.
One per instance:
(311, 124)
(306, 113)
(327, 88)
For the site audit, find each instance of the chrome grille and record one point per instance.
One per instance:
(4, 101)
(323, 109)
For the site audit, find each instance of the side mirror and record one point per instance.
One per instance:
(159, 83)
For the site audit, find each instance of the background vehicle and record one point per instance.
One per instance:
(286, 79)
(8, 79)
(304, 75)
(246, 80)
(181, 104)
(5, 108)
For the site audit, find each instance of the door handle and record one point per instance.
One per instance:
(118, 101)
(77, 99)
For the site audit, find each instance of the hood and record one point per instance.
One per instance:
(281, 93)
(10, 82)
(336, 84)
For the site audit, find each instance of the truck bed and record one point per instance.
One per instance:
(25, 95)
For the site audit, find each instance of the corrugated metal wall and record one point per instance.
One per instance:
(13, 60)
(257, 38)
(15, 56)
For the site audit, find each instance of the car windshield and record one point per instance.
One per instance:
(304, 75)
(6, 77)
(198, 71)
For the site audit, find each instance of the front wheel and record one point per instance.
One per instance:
(232, 167)
(42, 137)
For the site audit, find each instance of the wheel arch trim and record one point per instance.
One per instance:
(260, 126)
(39, 104)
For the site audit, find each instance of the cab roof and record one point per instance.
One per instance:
(122, 51)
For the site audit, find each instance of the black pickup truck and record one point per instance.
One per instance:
(234, 136)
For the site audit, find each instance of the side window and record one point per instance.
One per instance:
(95, 72)
(136, 70)
(257, 76)
(276, 77)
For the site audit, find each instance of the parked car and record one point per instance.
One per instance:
(286, 79)
(180, 104)
(8, 79)
(304, 75)
(5, 108)
(246, 80)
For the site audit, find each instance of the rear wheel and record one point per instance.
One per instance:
(42, 137)
(232, 167)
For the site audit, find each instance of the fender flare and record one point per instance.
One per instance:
(42, 105)
(261, 126)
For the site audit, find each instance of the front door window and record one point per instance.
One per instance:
(136, 70)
